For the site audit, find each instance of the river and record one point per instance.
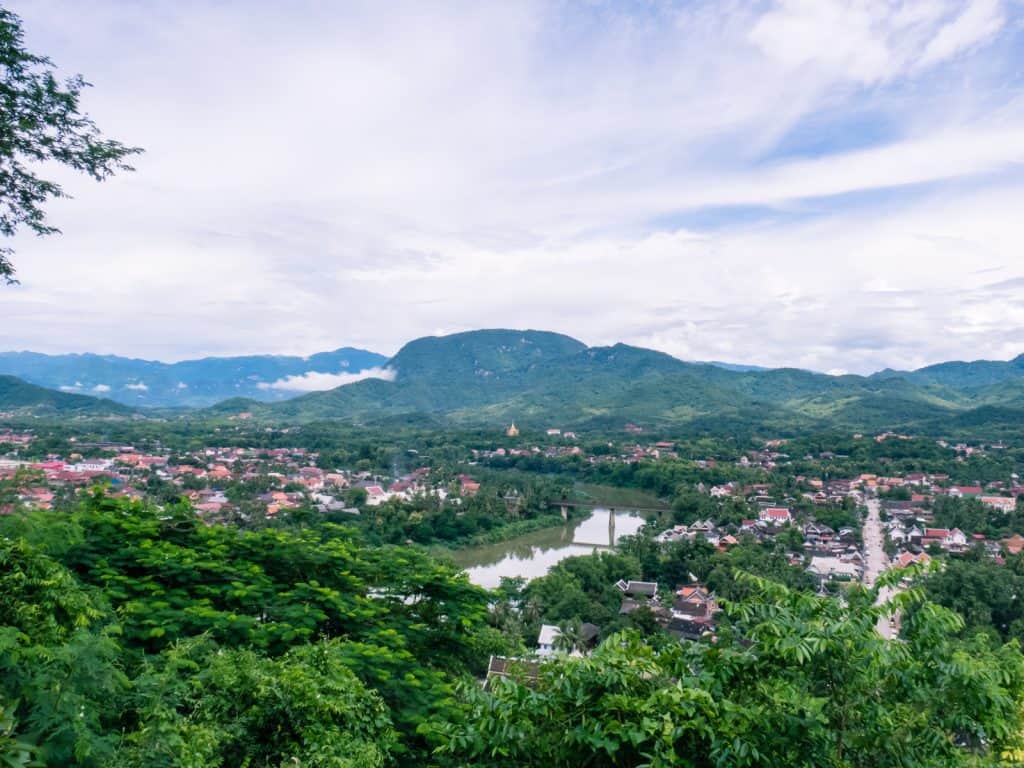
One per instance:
(533, 554)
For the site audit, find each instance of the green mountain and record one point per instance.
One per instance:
(540, 379)
(20, 396)
(188, 383)
(975, 375)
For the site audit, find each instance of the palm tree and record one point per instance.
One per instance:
(569, 636)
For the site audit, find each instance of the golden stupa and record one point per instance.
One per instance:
(512, 431)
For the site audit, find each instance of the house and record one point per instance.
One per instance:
(547, 639)
(469, 485)
(1014, 544)
(775, 515)
(375, 495)
(959, 491)
(526, 670)
(826, 568)
(642, 589)
(905, 559)
(705, 528)
(897, 535)
(952, 540)
(1002, 503)
(694, 600)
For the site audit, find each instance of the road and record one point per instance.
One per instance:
(875, 561)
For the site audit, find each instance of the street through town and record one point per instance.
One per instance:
(875, 560)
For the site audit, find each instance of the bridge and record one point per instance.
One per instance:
(566, 504)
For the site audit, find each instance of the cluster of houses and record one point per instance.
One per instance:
(688, 615)
(910, 530)
(827, 554)
(625, 453)
(204, 476)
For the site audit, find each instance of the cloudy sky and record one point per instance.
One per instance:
(830, 184)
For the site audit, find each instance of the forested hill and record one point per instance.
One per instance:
(17, 396)
(189, 383)
(974, 375)
(542, 379)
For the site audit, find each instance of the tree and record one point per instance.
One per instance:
(570, 635)
(41, 122)
(792, 679)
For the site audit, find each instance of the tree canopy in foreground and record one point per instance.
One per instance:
(134, 635)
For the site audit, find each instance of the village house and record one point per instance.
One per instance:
(775, 516)
(1002, 503)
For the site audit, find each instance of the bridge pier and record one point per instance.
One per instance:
(565, 511)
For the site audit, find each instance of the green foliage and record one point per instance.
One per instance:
(971, 516)
(58, 660)
(987, 594)
(579, 589)
(795, 680)
(202, 707)
(140, 636)
(540, 379)
(16, 394)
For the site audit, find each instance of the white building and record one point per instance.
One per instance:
(547, 638)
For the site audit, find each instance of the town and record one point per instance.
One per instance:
(816, 521)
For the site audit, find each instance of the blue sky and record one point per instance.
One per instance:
(829, 184)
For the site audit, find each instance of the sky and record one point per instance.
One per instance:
(830, 184)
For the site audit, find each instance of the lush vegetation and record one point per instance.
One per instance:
(18, 394)
(539, 380)
(970, 514)
(791, 680)
(137, 636)
(989, 595)
(425, 519)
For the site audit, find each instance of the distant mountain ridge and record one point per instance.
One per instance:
(547, 379)
(544, 379)
(17, 395)
(971, 375)
(189, 383)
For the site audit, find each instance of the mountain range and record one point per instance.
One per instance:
(190, 383)
(17, 395)
(543, 379)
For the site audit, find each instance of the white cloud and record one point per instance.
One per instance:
(539, 165)
(314, 381)
(181, 385)
(101, 388)
(137, 387)
(868, 41)
(979, 22)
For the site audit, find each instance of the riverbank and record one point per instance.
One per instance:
(533, 554)
(503, 533)
(608, 496)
